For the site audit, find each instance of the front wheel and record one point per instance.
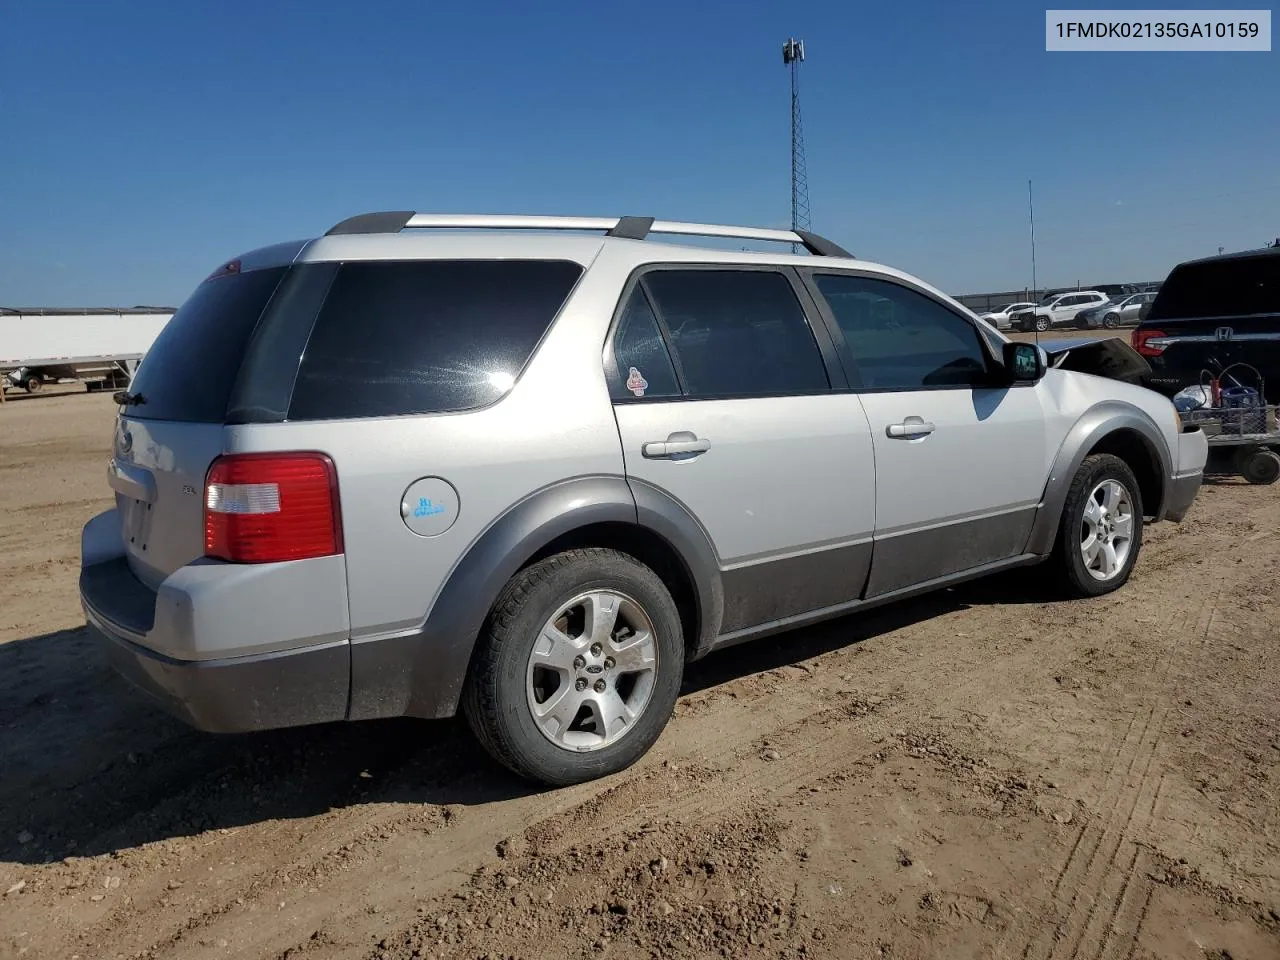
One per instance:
(33, 383)
(1111, 321)
(1100, 532)
(578, 668)
(1042, 324)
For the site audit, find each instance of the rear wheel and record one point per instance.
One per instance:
(1100, 532)
(578, 668)
(1262, 467)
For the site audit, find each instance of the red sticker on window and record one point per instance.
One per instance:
(636, 383)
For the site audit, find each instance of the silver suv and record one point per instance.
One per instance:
(408, 468)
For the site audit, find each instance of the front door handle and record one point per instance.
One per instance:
(679, 444)
(909, 429)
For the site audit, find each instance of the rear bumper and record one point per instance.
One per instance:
(226, 647)
(240, 694)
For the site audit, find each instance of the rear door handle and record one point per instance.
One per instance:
(679, 444)
(909, 428)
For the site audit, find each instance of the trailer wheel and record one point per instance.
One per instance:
(33, 383)
(1262, 467)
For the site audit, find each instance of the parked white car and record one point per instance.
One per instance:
(1059, 311)
(1000, 319)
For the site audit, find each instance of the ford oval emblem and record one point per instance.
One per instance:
(595, 668)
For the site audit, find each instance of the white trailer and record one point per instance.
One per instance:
(99, 346)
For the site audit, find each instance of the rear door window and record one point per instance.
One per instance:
(426, 336)
(738, 333)
(189, 371)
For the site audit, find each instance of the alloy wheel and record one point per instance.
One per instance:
(1106, 533)
(592, 670)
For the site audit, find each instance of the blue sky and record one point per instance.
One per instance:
(145, 141)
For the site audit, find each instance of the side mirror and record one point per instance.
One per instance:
(1025, 362)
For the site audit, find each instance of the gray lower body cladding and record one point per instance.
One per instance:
(239, 694)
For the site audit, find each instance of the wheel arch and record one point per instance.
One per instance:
(422, 673)
(1139, 453)
(1117, 428)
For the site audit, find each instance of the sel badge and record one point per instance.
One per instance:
(636, 383)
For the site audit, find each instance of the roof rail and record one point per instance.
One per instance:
(630, 228)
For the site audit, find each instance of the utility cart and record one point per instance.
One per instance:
(1241, 428)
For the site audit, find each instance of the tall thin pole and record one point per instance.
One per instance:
(793, 56)
(1031, 209)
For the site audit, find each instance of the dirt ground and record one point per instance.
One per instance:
(982, 773)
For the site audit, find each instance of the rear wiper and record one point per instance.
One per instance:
(127, 399)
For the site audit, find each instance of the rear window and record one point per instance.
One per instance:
(1226, 288)
(189, 371)
(405, 337)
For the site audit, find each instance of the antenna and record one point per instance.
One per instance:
(1031, 208)
(792, 57)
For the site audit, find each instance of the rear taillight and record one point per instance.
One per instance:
(263, 508)
(1141, 340)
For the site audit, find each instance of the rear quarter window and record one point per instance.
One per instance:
(426, 336)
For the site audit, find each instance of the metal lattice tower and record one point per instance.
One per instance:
(793, 56)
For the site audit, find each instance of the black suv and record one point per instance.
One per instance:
(1213, 313)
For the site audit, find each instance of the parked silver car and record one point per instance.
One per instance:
(1117, 312)
(400, 471)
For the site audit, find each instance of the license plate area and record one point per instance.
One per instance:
(137, 525)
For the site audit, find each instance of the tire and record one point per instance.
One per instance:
(506, 679)
(1111, 321)
(1074, 574)
(1261, 467)
(1042, 324)
(33, 384)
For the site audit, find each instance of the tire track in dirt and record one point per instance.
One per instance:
(1091, 914)
(680, 791)
(1119, 936)
(309, 861)
(739, 749)
(1078, 878)
(642, 794)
